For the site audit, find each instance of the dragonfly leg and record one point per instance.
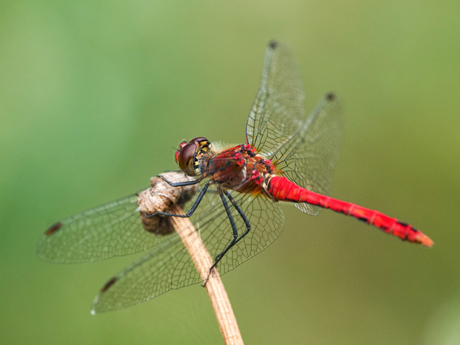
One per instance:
(190, 212)
(236, 238)
(242, 215)
(180, 184)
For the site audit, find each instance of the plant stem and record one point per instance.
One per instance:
(214, 286)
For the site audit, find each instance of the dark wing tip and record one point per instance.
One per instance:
(109, 284)
(331, 96)
(273, 44)
(53, 228)
(104, 289)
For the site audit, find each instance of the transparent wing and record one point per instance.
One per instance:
(306, 149)
(109, 230)
(278, 110)
(169, 266)
(310, 156)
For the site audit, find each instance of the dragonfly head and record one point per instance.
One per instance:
(188, 154)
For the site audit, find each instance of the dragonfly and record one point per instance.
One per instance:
(287, 157)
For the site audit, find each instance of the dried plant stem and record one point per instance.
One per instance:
(215, 288)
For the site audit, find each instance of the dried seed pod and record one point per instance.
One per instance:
(160, 198)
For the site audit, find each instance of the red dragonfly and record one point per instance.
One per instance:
(287, 157)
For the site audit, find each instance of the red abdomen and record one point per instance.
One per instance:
(283, 189)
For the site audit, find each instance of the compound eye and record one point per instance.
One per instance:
(185, 158)
(181, 145)
(198, 140)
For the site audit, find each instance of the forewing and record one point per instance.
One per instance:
(109, 230)
(305, 149)
(169, 266)
(278, 109)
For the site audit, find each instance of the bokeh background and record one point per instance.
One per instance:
(94, 95)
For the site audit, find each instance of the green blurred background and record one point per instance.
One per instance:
(94, 95)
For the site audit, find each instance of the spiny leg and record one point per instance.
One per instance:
(242, 215)
(236, 239)
(192, 209)
(180, 184)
